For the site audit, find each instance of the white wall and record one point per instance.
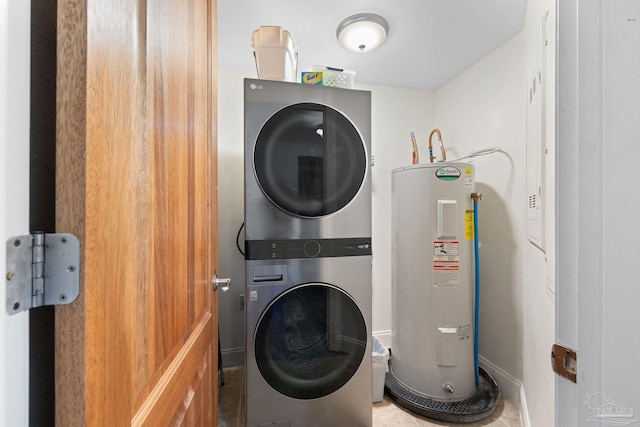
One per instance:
(539, 279)
(486, 106)
(14, 201)
(395, 114)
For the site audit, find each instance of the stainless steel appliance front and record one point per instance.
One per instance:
(308, 346)
(307, 161)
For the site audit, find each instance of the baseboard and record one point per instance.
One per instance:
(524, 411)
(510, 387)
(232, 357)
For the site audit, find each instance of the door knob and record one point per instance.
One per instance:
(223, 284)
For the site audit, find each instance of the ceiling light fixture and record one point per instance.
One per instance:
(362, 32)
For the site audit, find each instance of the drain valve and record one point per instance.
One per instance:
(449, 388)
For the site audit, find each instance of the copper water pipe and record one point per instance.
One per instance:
(415, 158)
(442, 150)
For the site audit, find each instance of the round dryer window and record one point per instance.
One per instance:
(310, 341)
(310, 160)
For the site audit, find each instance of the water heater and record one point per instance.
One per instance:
(432, 279)
(433, 367)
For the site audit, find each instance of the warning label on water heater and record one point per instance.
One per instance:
(446, 264)
(468, 224)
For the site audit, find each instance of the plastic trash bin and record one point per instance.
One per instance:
(379, 366)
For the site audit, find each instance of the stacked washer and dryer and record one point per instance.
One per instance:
(308, 255)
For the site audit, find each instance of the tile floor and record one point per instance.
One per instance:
(385, 413)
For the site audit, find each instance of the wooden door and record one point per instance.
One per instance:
(136, 182)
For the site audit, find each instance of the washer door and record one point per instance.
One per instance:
(310, 160)
(310, 341)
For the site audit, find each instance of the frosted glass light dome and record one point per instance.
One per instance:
(362, 32)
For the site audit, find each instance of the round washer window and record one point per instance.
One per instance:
(310, 160)
(310, 341)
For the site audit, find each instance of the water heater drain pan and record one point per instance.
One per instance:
(474, 408)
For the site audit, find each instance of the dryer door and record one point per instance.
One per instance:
(310, 160)
(310, 341)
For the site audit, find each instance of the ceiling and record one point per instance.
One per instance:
(429, 41)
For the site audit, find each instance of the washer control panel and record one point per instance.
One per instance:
(306, 248)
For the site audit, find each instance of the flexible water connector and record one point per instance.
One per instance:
(442, 150)
(415, 158)
(476, 355)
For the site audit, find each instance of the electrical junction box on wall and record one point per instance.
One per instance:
(535, 165)
(536, 148)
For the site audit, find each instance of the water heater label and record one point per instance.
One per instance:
(468, 224)
(464, 332)
(468, 177)
(448, 173)
(446, 264)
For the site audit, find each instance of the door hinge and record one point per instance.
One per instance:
(564, 362)
(42, 269)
